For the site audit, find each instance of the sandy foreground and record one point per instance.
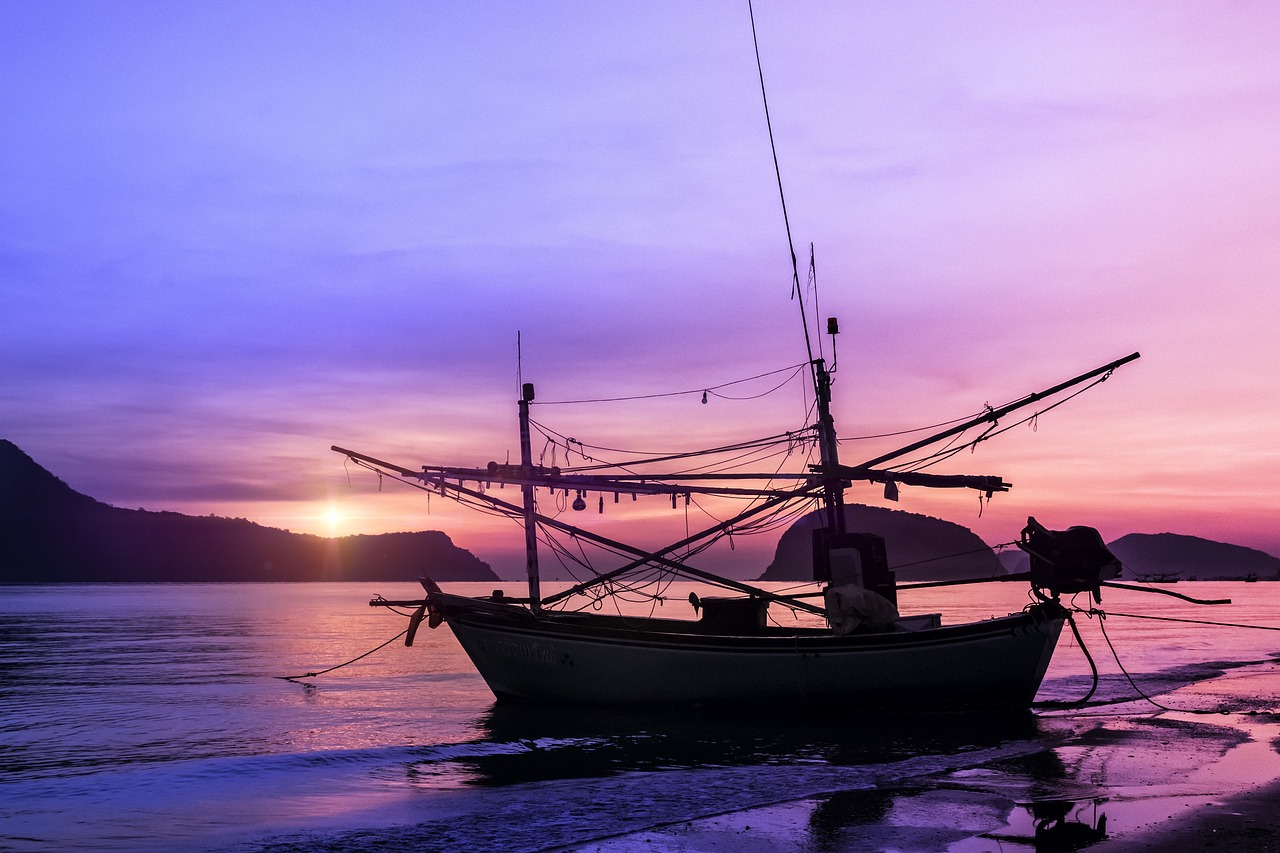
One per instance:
(1242, 787)
(1249, 821)
(1122, 779)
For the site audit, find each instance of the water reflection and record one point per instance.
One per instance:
(1059, 826)
(529, 744)
(838, 813)
(896, 779)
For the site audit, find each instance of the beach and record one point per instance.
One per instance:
(1245, 821)
(1199, 820)
(1124, 778)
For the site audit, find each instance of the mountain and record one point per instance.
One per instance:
(1173, 556)
(1014, 561)
(51, 533)
(920, 547)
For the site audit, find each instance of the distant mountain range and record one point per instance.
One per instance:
(51, 533)
(1171, 556)
(922, 548)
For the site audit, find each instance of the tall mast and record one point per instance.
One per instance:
(526, 490)
(833, 487)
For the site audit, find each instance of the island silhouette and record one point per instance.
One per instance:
(49, 533)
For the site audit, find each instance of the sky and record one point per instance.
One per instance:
(235, 234)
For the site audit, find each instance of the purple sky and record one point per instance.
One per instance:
(234, 234)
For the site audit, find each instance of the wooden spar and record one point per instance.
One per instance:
(652, 484)
(1133, 588)
(913, 478)
(644, 557)
(1015, 576)
(655, 484)
(360, 457)
(995, 414)
(529, 510)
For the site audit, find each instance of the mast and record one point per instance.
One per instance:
(526, 490)
(833, 487)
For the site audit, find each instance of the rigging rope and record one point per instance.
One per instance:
(992, 548)
(786, 220)
(990, 432)
(796, 368)
(1193, 621)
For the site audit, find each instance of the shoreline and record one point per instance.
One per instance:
(1134, 783)
(1248, 820)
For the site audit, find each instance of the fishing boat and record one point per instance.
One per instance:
(857, 652)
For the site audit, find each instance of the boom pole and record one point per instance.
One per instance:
(995, 414)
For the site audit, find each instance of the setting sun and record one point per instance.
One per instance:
(333, 519)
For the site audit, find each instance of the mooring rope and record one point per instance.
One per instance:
(1102, 616)
(1102, 619)
(1093, 667)
(341, 665)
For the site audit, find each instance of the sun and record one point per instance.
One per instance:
(333, 518)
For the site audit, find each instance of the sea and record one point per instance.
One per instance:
(161, 717)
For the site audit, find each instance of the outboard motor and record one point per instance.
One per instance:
(1070, 561)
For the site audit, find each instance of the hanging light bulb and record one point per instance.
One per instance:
(579, 504)
(704, 398)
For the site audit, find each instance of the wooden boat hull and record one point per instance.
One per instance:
(593, 659)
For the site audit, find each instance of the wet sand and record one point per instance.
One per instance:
(1247, 821)
(1121, 779)
(1242, 787)
(959, 820)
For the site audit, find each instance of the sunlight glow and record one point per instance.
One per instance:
(334, 519)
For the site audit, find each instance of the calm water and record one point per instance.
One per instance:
(140, 717)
